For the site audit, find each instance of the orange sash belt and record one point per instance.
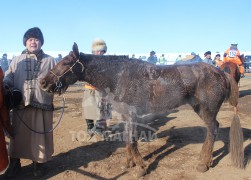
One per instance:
(88, 86)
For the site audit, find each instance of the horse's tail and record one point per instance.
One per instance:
(233, 90)
(236, 134)
(236, 142)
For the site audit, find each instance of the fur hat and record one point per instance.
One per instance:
(33, 33)
(152, 52)
(99, 45)
(208, 52)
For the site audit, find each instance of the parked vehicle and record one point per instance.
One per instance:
(247, 62)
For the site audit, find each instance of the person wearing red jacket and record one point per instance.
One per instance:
(5, 126)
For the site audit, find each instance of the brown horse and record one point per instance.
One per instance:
(233, 69)
(139, 88)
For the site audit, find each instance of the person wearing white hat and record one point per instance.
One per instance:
(99, 47)
(94, 102)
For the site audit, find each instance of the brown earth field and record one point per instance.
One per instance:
(173, 155)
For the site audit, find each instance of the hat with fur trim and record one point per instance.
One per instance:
(33, 33)
(152, 52)
(207, 53)
(99, 45)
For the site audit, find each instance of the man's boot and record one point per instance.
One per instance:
(13, 169)
(100, 127)
(90, 125)
(38, 169)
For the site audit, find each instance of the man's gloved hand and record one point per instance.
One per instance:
(6, 89)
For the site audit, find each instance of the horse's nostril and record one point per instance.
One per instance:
(43, 82)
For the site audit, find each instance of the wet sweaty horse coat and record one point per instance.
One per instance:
(138, 89)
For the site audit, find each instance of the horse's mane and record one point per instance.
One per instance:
(105, 57)
(113, 59)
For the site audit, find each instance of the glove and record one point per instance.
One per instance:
(6, 89)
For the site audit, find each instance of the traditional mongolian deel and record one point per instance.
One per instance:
(35, 110)
(138, 89)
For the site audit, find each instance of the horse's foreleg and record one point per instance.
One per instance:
(137, 158)
(129, 159)
(207, 148)
(134, 156)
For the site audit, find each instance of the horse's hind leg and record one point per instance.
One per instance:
(129, 159)
(207, 148)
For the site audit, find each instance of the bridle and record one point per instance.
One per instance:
(58, 87)
(59, 83)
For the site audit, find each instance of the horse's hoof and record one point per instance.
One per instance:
(202, 168)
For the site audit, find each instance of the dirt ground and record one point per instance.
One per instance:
(173, 155)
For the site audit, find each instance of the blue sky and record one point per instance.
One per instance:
(129, 26)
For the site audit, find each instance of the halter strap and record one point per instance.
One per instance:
(59, 83)
(70, 69)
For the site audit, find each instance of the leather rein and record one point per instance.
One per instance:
(59, 83)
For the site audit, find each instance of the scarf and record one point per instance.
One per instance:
(39, 54)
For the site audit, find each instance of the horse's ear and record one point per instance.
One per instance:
(75, 50)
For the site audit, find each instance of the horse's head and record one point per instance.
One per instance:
(66, 72)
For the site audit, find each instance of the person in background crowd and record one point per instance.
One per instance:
(4, 62)
(95, 104)
(217, 61)
(193, 53)
(59, 58)
(179, 58)
(36, 108)
(232, 54)
(152, 58)
(247, 63)
(208, 58)
(162, 60)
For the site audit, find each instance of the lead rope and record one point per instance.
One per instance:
(57, 89)
(58, 86)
